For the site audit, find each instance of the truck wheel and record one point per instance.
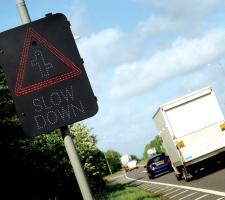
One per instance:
(178, 176)
(185, 175)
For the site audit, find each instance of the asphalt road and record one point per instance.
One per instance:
(208, 186)
(212, 181)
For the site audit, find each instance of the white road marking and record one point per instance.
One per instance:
(147, 187)
(220, 198)
(161, 189)
(201, 197)
(154, 187)
(171, 192)
(169, 189)
(144, 186)
(179, 194)
(157, 189)
(151, 187)
(188, 195)
(181, 186)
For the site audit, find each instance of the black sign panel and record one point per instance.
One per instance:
(45, 74)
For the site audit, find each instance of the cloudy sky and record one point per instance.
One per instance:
(139, 54)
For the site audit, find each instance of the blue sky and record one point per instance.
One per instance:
(139, 54)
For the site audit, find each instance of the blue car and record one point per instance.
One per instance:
(158, 164)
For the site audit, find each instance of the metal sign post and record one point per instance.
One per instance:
(75, 162)
(22, 9)
(69, 145)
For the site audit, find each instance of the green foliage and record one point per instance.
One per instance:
(8, 118)
(51, 158)
(157, 143)
(8, 113)
(133, 157)
(48, 150)
(45, 156)
(113, 159)
(91, 157)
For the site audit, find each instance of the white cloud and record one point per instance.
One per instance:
(107, 49)
(99, 48)
(155, 25)
(185, 8)
(127, 120)
(191, 17)
(184, 56)
(78, 17)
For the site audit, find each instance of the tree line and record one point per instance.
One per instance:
(154, 143)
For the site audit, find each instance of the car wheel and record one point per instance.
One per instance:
(151, 176)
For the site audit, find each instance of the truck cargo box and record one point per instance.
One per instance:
(192, 129)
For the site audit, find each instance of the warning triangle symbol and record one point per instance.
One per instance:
(21, 90)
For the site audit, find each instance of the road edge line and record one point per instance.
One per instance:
(181, 186)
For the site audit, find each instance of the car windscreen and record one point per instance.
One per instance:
(157, 158)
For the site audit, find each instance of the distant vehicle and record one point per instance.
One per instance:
(124, 160)
(158, 164)
(131, 165)
(192, 128)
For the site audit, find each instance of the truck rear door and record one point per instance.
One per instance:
(196, 126)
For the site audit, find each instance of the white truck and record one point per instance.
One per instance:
(192, 128)
(127, 163)
(124, 160)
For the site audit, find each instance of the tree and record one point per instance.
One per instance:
(8, 117)
(91, 157)
(133, 157)
(113, 159)
(10, 127)
(156, 143)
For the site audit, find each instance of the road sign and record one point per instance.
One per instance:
(151, 151)
(45, 74)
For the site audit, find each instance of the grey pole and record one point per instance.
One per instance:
(107, 164)
(69, 145)
(22, 9)
(75, 162)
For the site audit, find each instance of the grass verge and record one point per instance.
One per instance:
(121, 172)
(115, 191)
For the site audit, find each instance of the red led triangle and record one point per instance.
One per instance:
(23, 90)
